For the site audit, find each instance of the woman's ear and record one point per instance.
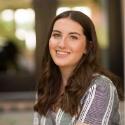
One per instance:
(85, 51)
(88, 47)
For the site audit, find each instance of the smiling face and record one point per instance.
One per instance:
(67, 43)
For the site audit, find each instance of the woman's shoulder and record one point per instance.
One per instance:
(100, 80)
(100, 86)
(100, 98)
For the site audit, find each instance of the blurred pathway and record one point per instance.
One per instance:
(16, 108)
(16, 118)
(21, 112)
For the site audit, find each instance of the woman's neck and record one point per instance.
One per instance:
(66, 72)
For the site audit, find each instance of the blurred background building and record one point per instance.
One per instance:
(23, 30)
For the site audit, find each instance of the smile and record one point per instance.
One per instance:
(62, 53)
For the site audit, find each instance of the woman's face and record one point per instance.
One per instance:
(67, 43)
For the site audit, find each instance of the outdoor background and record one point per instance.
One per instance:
(23, 30)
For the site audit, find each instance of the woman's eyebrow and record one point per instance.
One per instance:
(56, 31)
(71, 33)
(75, 33)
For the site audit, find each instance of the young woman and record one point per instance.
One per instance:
(74, 89)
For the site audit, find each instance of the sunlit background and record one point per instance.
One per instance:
(23, 26)
(18, 25)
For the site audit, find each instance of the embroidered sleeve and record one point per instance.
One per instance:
(35, 118)
(35, 114)
(98, 105)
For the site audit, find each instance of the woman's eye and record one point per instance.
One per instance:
(74, 37)
(55, 35)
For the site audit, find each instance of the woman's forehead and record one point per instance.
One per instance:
(68, 25)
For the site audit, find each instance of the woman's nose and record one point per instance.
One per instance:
(62, 43)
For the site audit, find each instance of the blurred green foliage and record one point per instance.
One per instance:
(6, 29)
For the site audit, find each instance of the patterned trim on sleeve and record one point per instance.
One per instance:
(107, 114)
(43, 120)
(87, 104)
(35, 119)
(59, 116)
(98, 105)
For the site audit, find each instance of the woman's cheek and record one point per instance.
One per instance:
(52, 43)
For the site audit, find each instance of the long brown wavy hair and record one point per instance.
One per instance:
(50, 83)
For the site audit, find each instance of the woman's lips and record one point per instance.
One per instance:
(62, 53)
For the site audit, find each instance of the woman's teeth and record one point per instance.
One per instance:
(62, 52)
